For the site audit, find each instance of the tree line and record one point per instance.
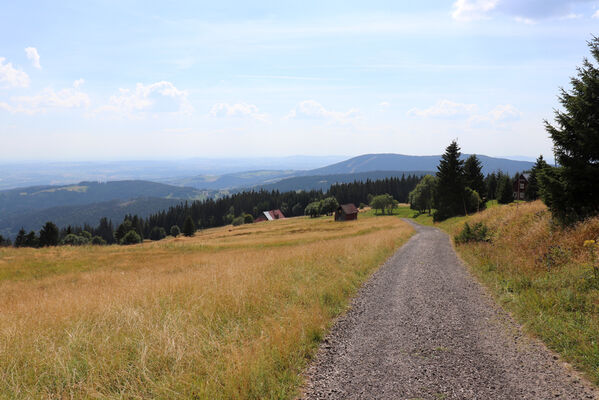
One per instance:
(570, 189)
(235, 209)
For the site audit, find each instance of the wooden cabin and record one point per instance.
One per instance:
(346, 212)
(519, 186)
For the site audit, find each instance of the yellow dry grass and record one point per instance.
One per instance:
(543, 274)
(229, 313)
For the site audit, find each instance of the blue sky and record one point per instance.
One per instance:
(128, 80)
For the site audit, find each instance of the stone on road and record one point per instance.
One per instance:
(423, 328)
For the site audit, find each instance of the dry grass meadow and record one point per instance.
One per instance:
(230, 313)
(543, 274)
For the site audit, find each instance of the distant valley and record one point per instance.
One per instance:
(86, 202)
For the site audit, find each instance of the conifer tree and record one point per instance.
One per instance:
(505, 190)
(532, 189)
(449, 197)
(20, 239)
(189, 227)
(49, 235)
(571, 191)
(473, 176)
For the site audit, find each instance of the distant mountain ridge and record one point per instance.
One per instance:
(402, 162)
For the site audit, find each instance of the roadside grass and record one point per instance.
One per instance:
(234, 312)
(542, 274)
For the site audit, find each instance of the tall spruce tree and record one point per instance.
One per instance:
(449, 197)
(532, 189)
(571, 191)
(473, 176)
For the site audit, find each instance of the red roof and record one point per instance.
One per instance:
(274, 214)
(349, 208)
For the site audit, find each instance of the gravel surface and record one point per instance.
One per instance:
(423, 328)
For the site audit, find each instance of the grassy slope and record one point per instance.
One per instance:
(229, 313)
(543, 275)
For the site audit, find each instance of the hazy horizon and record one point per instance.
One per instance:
(132, 81)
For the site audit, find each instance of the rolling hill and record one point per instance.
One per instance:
(324, 182)
(83, 214)
(86, 202)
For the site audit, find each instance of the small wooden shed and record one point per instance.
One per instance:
(270, 216)
(346, 212)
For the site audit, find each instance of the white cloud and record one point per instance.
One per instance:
(444, 109)
(47, 99)
(596, 15)
(467, 10)
(240, 110)
(384, 104)
(311, 109)
(12, 77)
(33, 56)
(499, 114)
(525, 11)
(157, 97)
(78, 83)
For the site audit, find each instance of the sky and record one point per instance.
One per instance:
(126, 80)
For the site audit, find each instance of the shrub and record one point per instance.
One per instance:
(479, 232)
(131, 237)
(248, 219)
(74, 240)
(97, 240)
(313, 209)
(329, 205)
(175, 231)
(297, 210)
(157, 233)
(362, 205)
(237, 221)
(86, 235)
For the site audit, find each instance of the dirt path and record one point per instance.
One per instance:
(422, 328)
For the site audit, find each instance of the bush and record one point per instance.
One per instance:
(362, 205)
(175, 231)
(131, 237)
(477, 233)
(313, 209)
(472, 200)
(248, 219)
(86, 235)
(329, 205)
(237, 221)
(157, 233)
(97, 240)
(297, 210)
(74, 240)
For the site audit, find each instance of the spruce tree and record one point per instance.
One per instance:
(189, 227)
(20, 239)
(49, 235)
(571, 191)
(449, 194)
(473, 176)
(505, 190)
(532, 189)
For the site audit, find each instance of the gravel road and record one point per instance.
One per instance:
(423, 328)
